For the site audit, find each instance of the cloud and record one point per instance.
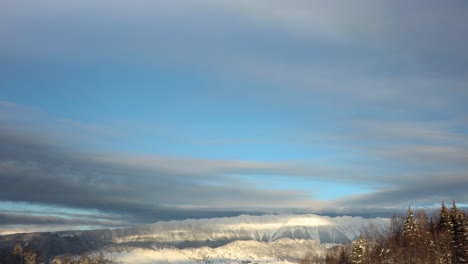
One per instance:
(435, 145)
(24, 219)
(426, 154)
(418, 191)
(363, 49)
(36, 172)
(36, 169)
(397, 69)
(404, 131)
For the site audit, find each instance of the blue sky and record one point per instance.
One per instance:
(141, 111)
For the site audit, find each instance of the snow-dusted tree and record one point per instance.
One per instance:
(17, 254)
(358, 255)
(411, 232)
(30, 257)
(57, 260)
(412, 238)
(18, 250)
(459, 236)
(444, 237)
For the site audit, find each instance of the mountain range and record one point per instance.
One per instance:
(264, 236)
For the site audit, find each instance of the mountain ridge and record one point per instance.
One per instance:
(197, 233)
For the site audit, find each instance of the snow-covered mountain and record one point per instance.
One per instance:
(265, 228)
(216, 237)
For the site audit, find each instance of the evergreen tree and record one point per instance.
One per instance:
(444, 237)
(459, 236)
(453, 211)
(410, 229)
(18, 250)
(358, 255)
(444, 224)
(57, 260)
(30, 257)
(17, 254)
(411, 237)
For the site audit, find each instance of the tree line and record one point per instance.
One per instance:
(414, 239)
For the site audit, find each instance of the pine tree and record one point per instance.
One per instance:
(18, 250)
(57, 260)
(358, 255)
(444, 239)
(17, 254)
(459, 236)
(444, 224)
(411, 229)
(411, 237)
(30, 257)
(453, 211)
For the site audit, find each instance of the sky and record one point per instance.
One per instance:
(116, 113)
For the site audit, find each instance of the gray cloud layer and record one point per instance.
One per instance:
(125, 189)
(34, 171)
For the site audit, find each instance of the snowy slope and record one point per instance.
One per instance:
(280, 251)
